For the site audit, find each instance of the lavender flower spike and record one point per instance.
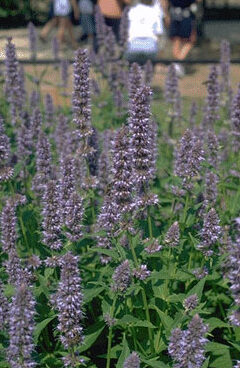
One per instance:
(51, 213)
(64, 73)
(49, 108)
(32, 34)
(121, 277)
(173, 235)
(132, 361)
(191, 302)
(210, 232)
(5, 171)
(234, 277)
(81, 95)
(69, 302)
(187, 347)
(74, 216)
(235, 120)
(213, 99)
(21, 327)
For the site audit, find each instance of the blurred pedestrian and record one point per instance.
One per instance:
(87, 20)
(145, 31)
(112, 11)
(62, 10)
(51, 23)
(180, 17)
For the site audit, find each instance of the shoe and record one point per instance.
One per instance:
(180, 71)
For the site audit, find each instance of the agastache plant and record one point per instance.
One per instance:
(211, 113)
(210, 233)
(43, 163)
(133, 361)
(81, 100)
(135, 81)
(121, 277)
(233, 262)
(49, 110)
(68, 301)
(172, 97)
(52, 216)
(6, 172)
(12, 82)
(21, 328)
(32, 35)
(235, 120)
(187, 347)
(73, 217)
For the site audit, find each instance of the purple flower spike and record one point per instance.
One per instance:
(141, 272)
(121, 277)
(32, 35)
(140, 139)
(3, 309)
(173, 235)
(148, 69)
(225, 65)
(122, 184)
(213, 148)
(52, 219)
(191, 302)
(36, 122)
(210, 232)
(21, 328)
(123, 30)
(187, 347)
(132, 361)
(81, 99)
(5, 171)
(234, 278)
(135, 80)
(34, 99)
(213, 99)
(68, 301)
(43, 163)
(49, 108)
(235, 120)
(73, 217)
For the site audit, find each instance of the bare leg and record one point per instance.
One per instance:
(69, 27)
(61, 29)
(186, 48)
(48, 28)
(176, 48)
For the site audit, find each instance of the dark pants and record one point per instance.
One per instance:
(114, 23)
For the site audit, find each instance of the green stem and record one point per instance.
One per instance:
(145, 304)
(150, 225)
(110, 334)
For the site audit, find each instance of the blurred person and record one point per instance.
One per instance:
(87, 20)
(51, 23)
(146, 31)
(180, 18)
(62, 10)
(112, 11)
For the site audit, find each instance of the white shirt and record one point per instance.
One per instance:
(145, 21)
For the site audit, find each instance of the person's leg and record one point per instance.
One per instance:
(176, 47)
(48, 28)
(69, 27)
(61, 29)
(114, 23)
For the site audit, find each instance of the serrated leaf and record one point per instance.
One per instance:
(197, 289)
(154, 363)
(108, 252)
(89, 294)
(205, 364)
(124, 354)
(165, 319)
(92, 337)
(40, 327)
(128, 319)
(215, 323)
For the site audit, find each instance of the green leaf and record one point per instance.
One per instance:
(128, 319)
(91, 337)
(165, 319)
(40, 327)
(108, 252)
(154, 363)
(215, 323)
(221, 351)
(205, 364)
(124, 354)
(89, 294)
(197, 289)
(9, 290)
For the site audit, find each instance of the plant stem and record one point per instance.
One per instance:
(110, 334)
(150, 225)
(145, 304)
